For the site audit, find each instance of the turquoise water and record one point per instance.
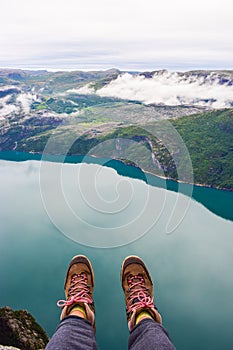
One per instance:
(220, 202)
(191, 266)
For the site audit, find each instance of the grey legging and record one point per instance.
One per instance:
(76, 333)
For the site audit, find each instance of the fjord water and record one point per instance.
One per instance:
(218, 201)
(191, 267)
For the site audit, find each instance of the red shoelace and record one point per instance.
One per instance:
(79, 291)
(138, 294)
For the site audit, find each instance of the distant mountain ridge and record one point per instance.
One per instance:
(94, 106)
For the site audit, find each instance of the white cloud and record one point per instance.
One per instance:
(85, 90)
(123, 19)
(6, 109)
(25, 100)
(171, 89)
(22, 104)
(44, 30)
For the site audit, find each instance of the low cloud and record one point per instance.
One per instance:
(22, 103)
(25, 100)
(84, 90)
(170, 89)
(6, 108)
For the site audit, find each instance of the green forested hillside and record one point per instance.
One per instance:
(36, 105)
(207, 136)
(209, 139)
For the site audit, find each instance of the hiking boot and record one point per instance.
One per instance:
(79, 285)
(138, 288)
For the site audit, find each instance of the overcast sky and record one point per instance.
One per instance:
(126, 34)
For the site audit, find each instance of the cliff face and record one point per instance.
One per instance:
(19, 329)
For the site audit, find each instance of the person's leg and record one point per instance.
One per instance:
(144, 320)
(77, 327)
(149, 335)
(73, 333)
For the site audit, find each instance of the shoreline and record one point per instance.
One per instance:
(216, 200)
(113, 159)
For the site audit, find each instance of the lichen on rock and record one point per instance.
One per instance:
(19, 329)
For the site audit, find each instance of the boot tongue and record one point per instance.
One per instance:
(134, 279)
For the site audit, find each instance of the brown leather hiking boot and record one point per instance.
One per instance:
(138, 288)
(79, 285)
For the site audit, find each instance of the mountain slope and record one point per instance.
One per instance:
(84, 109)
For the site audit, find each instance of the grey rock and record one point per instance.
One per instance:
(19, 330)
